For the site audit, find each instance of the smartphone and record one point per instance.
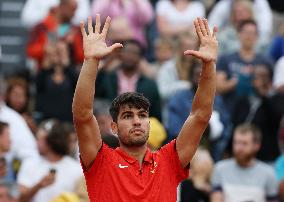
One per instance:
(52, 171)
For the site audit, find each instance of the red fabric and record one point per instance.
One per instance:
(116, 176)
(39, 39)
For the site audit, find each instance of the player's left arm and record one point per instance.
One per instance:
(193, 128)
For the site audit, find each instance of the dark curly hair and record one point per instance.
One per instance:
(131, 99)
(57, 138)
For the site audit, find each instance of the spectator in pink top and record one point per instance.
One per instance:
(129, 17)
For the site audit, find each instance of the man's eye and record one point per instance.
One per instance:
(127, 116)
(142, 115)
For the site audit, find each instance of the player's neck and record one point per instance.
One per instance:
(136, 152)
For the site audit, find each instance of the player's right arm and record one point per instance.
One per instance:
(86, 125)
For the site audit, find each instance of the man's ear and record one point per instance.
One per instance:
(114, 128)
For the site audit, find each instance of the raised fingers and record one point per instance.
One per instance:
(202, 27)
(198, 29)
(106, 27)
(207, 29)
(90, 26)
(115, 46)
(83, 31)
(98, 24)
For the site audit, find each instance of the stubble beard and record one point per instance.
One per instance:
(133, 141)
(244, 159)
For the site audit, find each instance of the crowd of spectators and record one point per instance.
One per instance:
(241, 153)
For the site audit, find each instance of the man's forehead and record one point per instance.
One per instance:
(128, 107)
(244, 135)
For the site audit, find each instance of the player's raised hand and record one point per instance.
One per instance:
(94, 42)
(208, 49)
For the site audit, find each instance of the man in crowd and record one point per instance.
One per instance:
(23, 144)
(234, 71)
(244, 178)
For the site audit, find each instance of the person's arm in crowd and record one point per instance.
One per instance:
(101, 6)
(33, 12)
(193, 128)
(82, 11)
(36, 46)
(220, 14)
(263, 16)
(216, 197)
(85, 122)
(165, 29)
(26, 194)
(167, 83)
(223, 84)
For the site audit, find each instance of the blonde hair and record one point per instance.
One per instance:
(248, 5)
(202, 163)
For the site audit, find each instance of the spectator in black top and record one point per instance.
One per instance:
(56, 84)
(258, 108)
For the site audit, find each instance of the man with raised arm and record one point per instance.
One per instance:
(132, 172)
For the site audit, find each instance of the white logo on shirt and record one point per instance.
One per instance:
(154, 169)
(121, 166)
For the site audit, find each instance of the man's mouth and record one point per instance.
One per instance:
(137, 130)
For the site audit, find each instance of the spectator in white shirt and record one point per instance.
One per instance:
(35, 11)
(56, 172)
(176, 16)
(23, 141)
(220, 16)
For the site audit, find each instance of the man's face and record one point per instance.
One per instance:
(244, 147)
(248, 36)
(104, 121)
(163, 52)
(261, 77)
(4, 194)
(196, 75)
(41, 141)
(5, 141)
(132, 126)
(67, 10)
(130, 56)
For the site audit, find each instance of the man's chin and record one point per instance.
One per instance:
(242, 160)
(136, 142)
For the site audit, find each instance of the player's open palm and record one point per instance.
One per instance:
(94, 42)
(208, 49)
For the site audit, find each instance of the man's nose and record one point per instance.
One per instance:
(136, 120)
